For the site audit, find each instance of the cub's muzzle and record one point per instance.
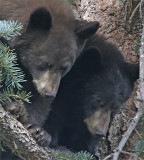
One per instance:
(48, 83)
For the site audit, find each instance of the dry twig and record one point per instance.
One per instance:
(134, 11)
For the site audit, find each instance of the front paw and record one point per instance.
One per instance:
(16, 108)
(39, 134)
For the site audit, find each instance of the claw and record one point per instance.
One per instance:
(28, 126)
(41, 136)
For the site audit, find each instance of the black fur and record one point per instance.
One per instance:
(100, 81)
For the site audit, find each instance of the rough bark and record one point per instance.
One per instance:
(19, 140)
(139, 102)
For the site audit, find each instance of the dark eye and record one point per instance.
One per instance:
(44, 66)
(64, 70)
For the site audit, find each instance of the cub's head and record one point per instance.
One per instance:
(50, 46)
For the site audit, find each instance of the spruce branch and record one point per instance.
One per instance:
(73, 156)
(8, 94)
(11, 73)
(9, 29)
(139, 146)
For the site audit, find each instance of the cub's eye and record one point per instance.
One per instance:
(64, 70)
(44, 66)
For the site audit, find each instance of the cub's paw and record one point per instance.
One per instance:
(16, 108)
(39, 134)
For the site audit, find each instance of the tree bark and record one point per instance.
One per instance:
(139, 102)
(19, 140)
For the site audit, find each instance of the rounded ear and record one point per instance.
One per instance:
(40, 19)
(131, 70)
(91, 60)
(85, 30)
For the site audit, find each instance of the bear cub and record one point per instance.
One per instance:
(47, 48)
(89, 95)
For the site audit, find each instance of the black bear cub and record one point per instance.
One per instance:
(89, 95)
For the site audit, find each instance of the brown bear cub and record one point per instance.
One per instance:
(47, 48)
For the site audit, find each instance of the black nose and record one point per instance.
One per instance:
(49, 93)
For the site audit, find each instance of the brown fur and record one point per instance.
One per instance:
(21, 9)
(47, 48)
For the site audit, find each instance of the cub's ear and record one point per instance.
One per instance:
(131, 70)
(85, 30)
(40, 19)
(91, 60)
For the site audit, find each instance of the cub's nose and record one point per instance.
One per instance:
(50, 93)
